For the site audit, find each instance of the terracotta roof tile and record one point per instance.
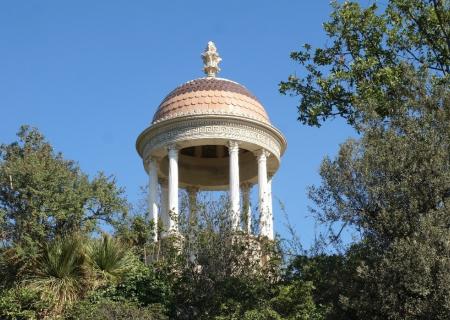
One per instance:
(210, 96)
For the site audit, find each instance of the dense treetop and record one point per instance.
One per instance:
(360, 74)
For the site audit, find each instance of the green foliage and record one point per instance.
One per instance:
(295, 301)
(61, 272)
(137, 232)
(285, 301)
(20, 303)
(333, 280)
(109, 258)
(264, 313)
(215, 267)
(43, 196)
(359, 75)
(220, 274)
(392, 187)
(113, 310)
(142, 285)
(386, 71)
(69, 268)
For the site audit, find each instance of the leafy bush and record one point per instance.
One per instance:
(142, 286)
(113, 310)
(23, 303)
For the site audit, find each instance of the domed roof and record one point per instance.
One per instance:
(203, 119)
(211, 96)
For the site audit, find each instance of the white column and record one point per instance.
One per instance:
(152, 194)
(233, 149)
(164, 204)
(246, 208)
(262, 184)
(270, 230)
(173, 188)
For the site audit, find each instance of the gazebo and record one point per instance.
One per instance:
(211, 134)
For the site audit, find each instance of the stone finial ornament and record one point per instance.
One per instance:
(211, 60)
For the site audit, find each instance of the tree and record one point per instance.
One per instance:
(331, 277)
(392, 187)
(137, 232)
(218, 273)
(43, 196)
(386, 72)
(360, 76)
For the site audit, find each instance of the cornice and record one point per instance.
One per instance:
(172, 125)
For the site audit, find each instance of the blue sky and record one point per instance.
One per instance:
(90, 74)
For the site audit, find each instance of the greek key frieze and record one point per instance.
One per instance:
(201, 129)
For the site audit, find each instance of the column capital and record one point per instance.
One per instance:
(173, 146)
(261, 154)
(233, 146)
(151, 159)
(172, 150)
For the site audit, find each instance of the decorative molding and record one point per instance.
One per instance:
(210, 128)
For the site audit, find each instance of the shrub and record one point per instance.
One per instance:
(113, 310)
(23, 303)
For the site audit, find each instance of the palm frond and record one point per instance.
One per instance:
(61, 271)
(109, 258)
